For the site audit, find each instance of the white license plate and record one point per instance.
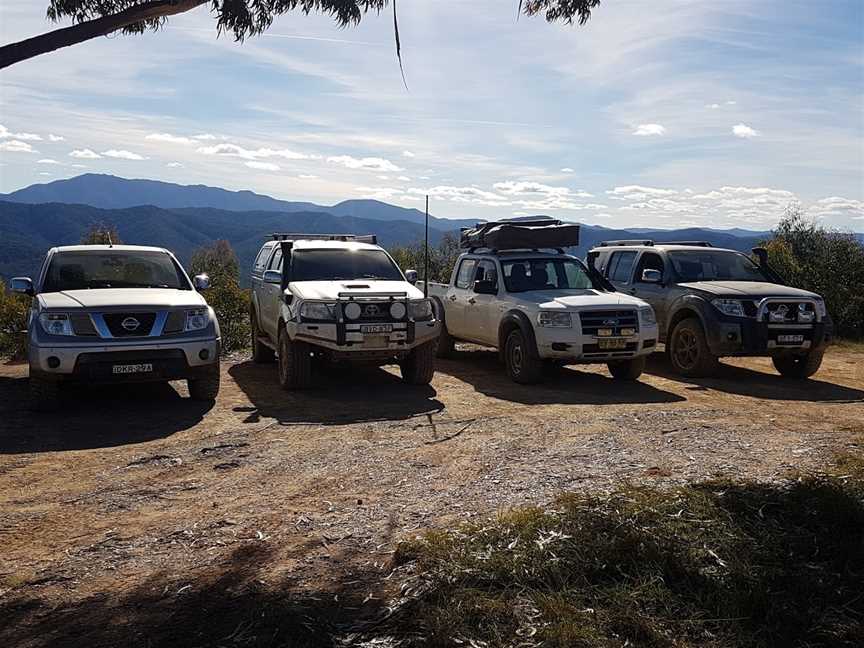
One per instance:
(372, 329)
(615, 343)
(790, 339)
(133, 368)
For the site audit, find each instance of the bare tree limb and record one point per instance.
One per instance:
(53, 40)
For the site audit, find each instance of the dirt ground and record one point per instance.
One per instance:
(138, 517)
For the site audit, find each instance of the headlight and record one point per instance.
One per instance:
(196, 319)
(554, 319)
(421, 309)
(318, 311)
(397, 310)
(821, 311)
(729, 307)
(647, 316)
(56, 323)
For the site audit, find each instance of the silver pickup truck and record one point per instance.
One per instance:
(118, 313)
(337, 298)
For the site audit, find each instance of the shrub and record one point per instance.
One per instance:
(827, 262)
(101, 234)
(442, 258)
(13, 323)
(228, 299)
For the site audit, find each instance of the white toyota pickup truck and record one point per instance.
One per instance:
(337, 298)
(543, 309)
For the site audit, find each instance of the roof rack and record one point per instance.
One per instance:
(693, 243)
(626, 242)
(535, 250)
(359, 238)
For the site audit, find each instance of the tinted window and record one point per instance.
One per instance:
(326, 265)
(113, 269)
(466, 273)
(486, 271)
(621, 266)
(521, 275)
(711, 265)
(648, 261)
(276, 261)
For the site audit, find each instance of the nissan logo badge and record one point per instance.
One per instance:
(130, 324)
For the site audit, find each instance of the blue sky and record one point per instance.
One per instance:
(668, 114)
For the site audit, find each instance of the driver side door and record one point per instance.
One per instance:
(653, 293)
(482, 311)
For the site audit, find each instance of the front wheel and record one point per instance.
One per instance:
(295, 364)
(418, 368)
(523, 365)
(799, 365)
(627, 369)
(689, 352)
(206, 387)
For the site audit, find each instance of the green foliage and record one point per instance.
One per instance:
(101, 234)
(713, 564)
(826, 262)
(442, 258)
(228, 300)
(13, 322)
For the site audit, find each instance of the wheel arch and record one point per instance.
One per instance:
(689, 306)
(512, 320)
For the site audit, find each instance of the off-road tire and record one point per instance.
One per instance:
(205, 388)
(627, 369)
(688, 349)
(295, 363)
(44, 394)
(798, 366)
(418, 367)
(523, 365)
(261, 353)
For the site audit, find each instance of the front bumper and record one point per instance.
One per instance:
(570, 345)
(174, 360)
(742, 336)
(349, 340)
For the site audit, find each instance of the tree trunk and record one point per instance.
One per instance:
(44, 43)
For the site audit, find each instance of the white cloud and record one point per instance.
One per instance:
(512, 188)
(169, 138)
(205, 136)
(743, 130)
(644, 130)
(713, 106)
(403, 178)
(85, 154)
(567, 170)
(47, 161)
(17, 146)
(369, 163)
(637, 192)
(837, 206)
(45, 173)
(263, 166)
(55, 138)
(233, 150)
(379, 193)
(122, 154)
(307, 176)
(174, 165)
(6, 133)
(462, 195)
(408, 154)
(731, 103)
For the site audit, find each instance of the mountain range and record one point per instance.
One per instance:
(183, 218)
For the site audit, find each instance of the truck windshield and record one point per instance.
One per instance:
(328, 265)
(522, 275)
(715, 265)
(113, 269)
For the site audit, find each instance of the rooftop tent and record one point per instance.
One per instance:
(517, 235)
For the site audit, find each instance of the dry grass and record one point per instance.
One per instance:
(712, 564)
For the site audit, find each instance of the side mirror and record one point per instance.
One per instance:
(485, 288)
(411, 276)
(273, 277)
(652, 276)
(761, 255)
(201, 282)
(23, 285)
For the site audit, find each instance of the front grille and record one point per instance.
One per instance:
(175, 323)
(616, 320)
(375, 312)
(114, 322)
(82, 324)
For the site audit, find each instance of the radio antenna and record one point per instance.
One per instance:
(426, 257)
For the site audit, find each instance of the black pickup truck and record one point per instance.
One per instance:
(712, 302)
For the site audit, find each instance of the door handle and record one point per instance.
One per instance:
(472, 301)
(452, 298)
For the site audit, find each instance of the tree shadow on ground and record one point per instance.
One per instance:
(757, 384)
(98, 416)
(241, 605)
(340, 396)
(568, 386)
